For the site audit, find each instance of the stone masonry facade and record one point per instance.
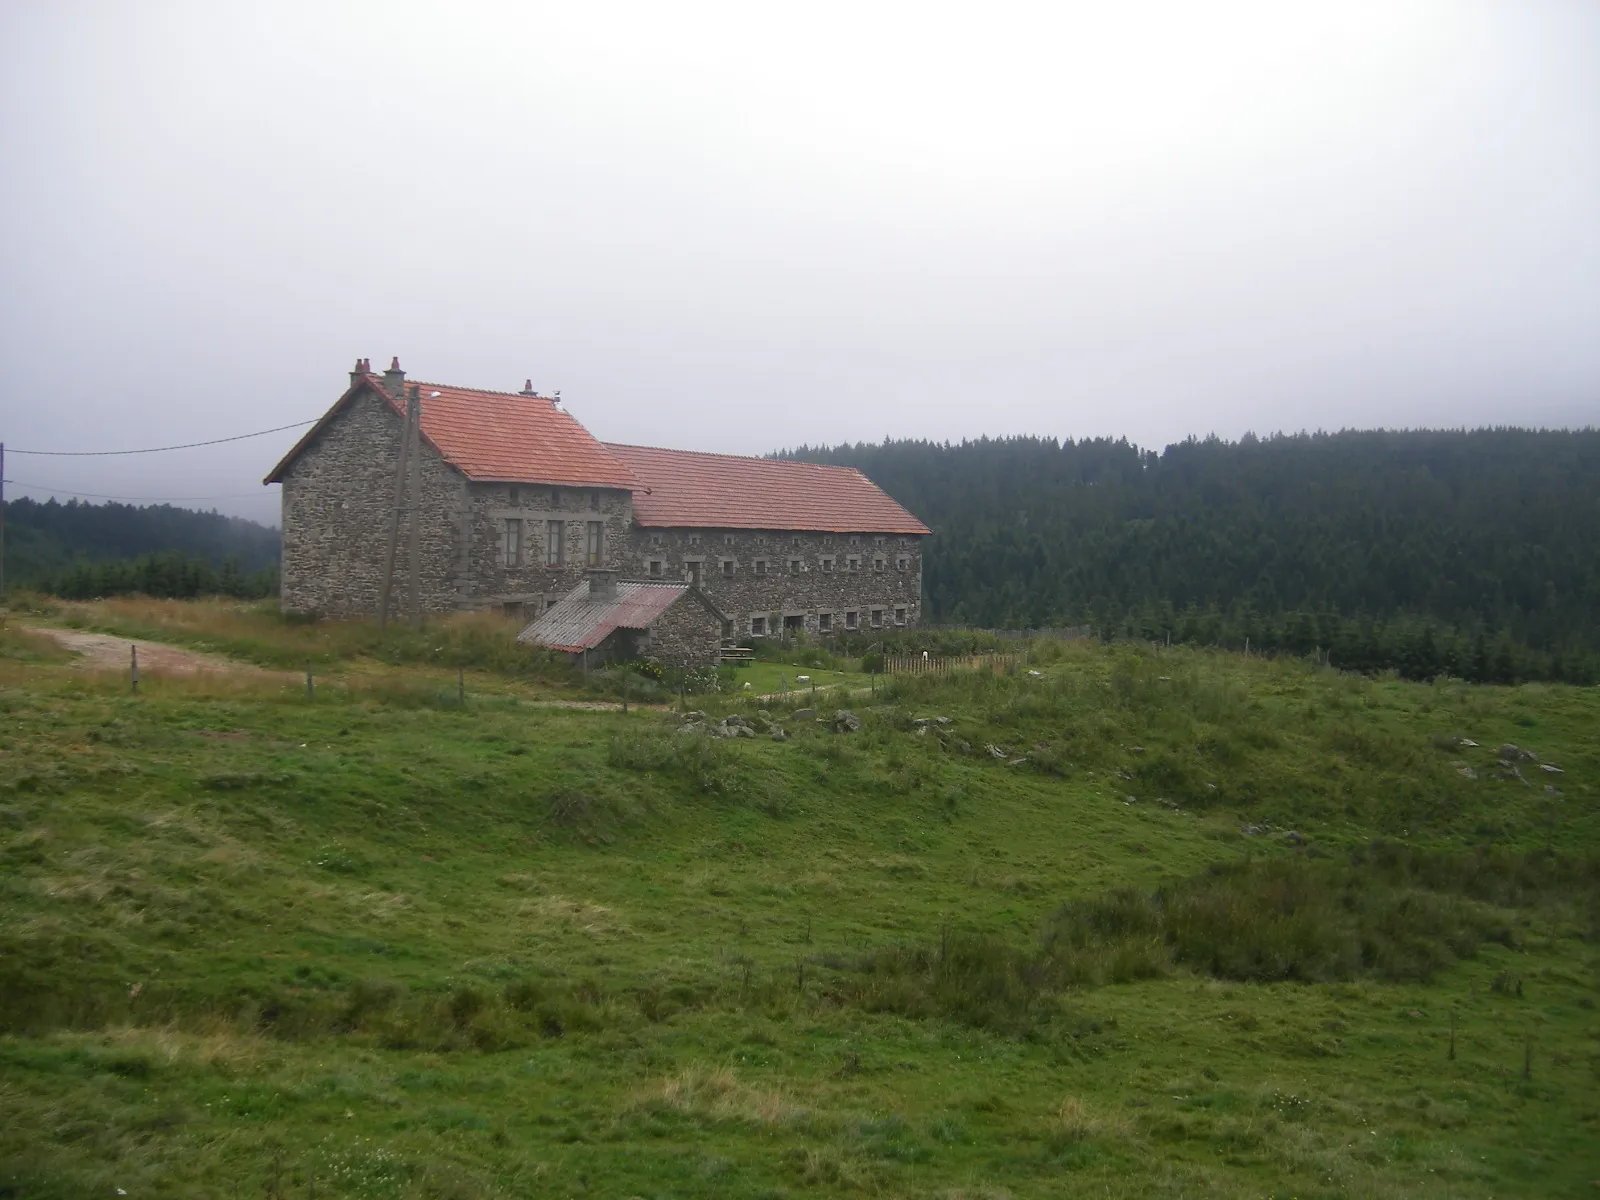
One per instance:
(487, 544)
(779, 582)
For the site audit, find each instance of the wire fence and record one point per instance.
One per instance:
(949, 664)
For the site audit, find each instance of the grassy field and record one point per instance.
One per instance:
(1186, 924)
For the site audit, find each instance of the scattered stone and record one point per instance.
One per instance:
(1515, 754)
(845, 721)
(778, 735)
(1416, 1014)
(1135, 749)
(802, 679)
(1211, 787)
(693, 716)
(994, 751)
(1035, 674)
(1551, 789)
(1165, 803)
(941, 722)
(966, 747)
(1551, 768)
(1130, 799)
(1251, 830)
(1466, 742)
(1466, 772)
(1294, 838)
(1124, 775)
(805, 714)
(1017, 762)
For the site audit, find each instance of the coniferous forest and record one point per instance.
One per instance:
(1475, 553)
(80, 550)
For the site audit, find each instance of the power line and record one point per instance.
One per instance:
(44, 487)
(158, 449)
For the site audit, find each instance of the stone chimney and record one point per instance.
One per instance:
(358, 372)
(394, 380)
(527, 389)
(602, 584)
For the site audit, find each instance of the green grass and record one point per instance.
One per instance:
(418, 949)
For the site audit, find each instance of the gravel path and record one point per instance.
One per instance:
(103, 652)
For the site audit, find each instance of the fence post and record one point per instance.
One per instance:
(310, 693)
(134, 670)
(461, 685)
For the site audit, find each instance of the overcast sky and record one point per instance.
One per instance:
(749, 226)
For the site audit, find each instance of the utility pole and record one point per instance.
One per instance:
(414, 416)
(394, 522)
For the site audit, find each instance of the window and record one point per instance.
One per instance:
(794, 543)
(727, 568)
(794, 566)
(849, 620)
(555, 497)
(880, 540)
(902, 563)
(761, 566)
(656, 566)
(597, 542)
(655, 541)
(555, 549)
(727, 631)
(693, 568)
(514, 495)
(827, 565)
(512, 608)
(727, 539)
(758, 626)
(827, 539)
(877, 618)
(761, 541)
(824, 622)
(855, 541)
(551, 602)
(594, 501)
(855, 562)
(877, 564)
(511, 544)
(900, 616)
(694, 539)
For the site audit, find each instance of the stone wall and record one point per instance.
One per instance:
(336, 505)
(491, 581)
(754, 575)
(688, 634)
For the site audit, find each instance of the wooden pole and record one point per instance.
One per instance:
(394, 525)
(461, 685)
(414, 414)
(133, 653)
(310, 692)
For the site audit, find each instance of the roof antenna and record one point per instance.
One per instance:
(556, 400)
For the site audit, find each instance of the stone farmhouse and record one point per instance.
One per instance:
(519, 501)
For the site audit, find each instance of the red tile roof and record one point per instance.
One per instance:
(496, 435)
(726, 491)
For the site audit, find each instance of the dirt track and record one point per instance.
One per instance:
(103, 652)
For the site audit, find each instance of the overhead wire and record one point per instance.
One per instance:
(45, 487)
(160, 449)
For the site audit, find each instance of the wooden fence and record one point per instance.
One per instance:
(948, 664)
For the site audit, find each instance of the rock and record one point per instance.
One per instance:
(804, 714)
(845, 721)
(1211, 787)
(802, 679)
(1517, 754)
(1165, 803)
(1551, 768)
(994, 751)
(1294, 839)
(778, 734)
(1466, 742)
(1250, 830)
(1135, 749)
(1035, 674)
(966, 747)
(693, 716)
(1551, 789)
(1466, 772)
(1017, 762)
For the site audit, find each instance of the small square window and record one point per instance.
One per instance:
(514, 495)
(727, 567)
(794, 542)
(694, 539)
(855, 541)
(880, 540)
(655, 541)
(758, 626)
(727, 539)
(594, 501)
(761, 541)
(877, 618)
(825, 622)
(656, 567)
(555, 497)
(899, 616)
(877, 564)
(794, 566)
(827, 565)
(761, 566)
(855, 563)
(902, 563)
(850, 620)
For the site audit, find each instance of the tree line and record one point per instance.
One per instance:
(1436, 551)
(81, 551)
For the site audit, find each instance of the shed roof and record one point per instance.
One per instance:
(728, 491)
(579, 621)
(502, 436)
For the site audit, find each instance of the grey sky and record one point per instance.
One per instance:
(746, 226)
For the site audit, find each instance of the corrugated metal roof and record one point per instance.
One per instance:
(729, 491)
(578, 621)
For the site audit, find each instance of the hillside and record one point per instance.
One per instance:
(1139, 924)
(46, 540)
(1485, 531)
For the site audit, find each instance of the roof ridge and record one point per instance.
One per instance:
(761, 458)
(456, 387)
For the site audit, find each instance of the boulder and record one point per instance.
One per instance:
(845, 721)
(805, 714)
